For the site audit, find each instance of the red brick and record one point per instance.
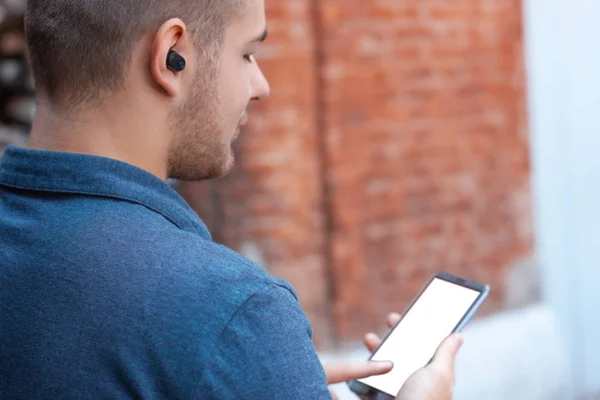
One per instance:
(437, 85)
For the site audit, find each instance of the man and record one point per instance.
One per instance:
(111, 285)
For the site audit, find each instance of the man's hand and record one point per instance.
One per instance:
(344, 372)
(372, 341)
(436, 380)
(433, 382)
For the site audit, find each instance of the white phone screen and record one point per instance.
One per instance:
(416, 338)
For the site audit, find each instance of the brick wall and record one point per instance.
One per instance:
(393, 146)
(427, 152)
(17, 103)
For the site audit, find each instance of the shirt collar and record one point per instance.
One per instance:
(59, 172)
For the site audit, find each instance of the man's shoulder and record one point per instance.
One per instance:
(141, 290)
(216, 267)
(185, 263)
(156, 250)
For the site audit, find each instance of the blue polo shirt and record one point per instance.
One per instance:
(111, 288)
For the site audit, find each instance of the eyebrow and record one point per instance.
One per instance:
(260, 38)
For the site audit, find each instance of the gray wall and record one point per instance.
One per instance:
(563, 57)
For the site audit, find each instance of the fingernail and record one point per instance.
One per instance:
(383, 364)
(460, 340)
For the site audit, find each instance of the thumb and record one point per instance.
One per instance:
(446, 352)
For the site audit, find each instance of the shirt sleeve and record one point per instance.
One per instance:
(265, 352)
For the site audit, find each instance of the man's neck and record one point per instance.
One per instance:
(101, 135)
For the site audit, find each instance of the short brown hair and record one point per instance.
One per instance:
(80, 48)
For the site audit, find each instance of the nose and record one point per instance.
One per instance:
(260, 89)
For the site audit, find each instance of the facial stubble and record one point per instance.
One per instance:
(200, 149)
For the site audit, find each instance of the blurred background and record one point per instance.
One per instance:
(406, 137)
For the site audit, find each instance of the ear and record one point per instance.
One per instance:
(172, 34)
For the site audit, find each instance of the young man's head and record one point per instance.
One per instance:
(88, 55)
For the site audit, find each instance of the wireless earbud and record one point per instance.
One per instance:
(175, 61)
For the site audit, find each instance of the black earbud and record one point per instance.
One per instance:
(175, 61)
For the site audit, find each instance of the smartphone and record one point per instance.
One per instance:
(444, 305)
